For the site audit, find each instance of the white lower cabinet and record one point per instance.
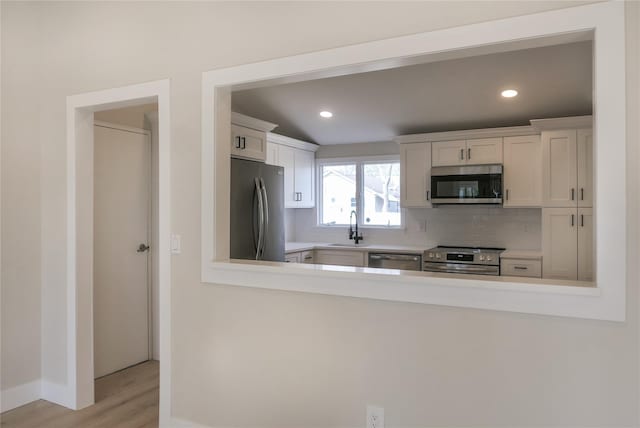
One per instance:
(586, 250)
(567, 243)
(340, 257)
(292, 258)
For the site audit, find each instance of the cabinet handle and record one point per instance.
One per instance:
(582, 220)
(573, 194)
(300, 195)
(308, 257)
(507, 194)
(572, 220)
(582, 193)
(521, 267)
(461, 154)
(469, 153)
(428, 195)
(237, 142)
(244, 143)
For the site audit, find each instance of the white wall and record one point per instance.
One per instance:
(249, 357)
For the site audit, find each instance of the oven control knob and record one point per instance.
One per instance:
(437, 255)
(482, 258)
(488, 258)
(430, 255)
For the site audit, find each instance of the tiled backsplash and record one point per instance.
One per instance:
(485, 226)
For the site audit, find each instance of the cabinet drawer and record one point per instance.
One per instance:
(306, 257)
(521, 267)
(340, 258)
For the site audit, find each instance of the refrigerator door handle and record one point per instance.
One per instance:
(266, 215)
(260, 220)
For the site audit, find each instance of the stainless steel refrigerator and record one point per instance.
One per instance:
(257, 211)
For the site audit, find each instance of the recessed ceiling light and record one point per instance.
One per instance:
(326, 114)
(509, 93)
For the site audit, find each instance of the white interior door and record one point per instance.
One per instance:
(122, 162)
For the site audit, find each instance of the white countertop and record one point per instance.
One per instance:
(522, 254)
(292, 247)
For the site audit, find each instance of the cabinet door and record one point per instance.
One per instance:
(560, 243)
(585, 244)
(560, 180)
(522, 171)
(286, 159)
(585, 167)
(248, 143)
(484, 151)
(272, 154)
(415, 175)
(340, 258)
(446, 153)
(304, 178)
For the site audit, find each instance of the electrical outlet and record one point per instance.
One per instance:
(375, 417)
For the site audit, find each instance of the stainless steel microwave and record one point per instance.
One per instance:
(473, 184)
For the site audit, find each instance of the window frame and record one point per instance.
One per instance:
(359, 162)
(603, 23)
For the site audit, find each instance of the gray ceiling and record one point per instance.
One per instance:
(458, 94)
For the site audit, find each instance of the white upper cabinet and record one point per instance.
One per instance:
(559, 243)
(415, 175)
(446, 153)
(480, 151)
(522, 171)
(298, 160)
(248, 143)
(484, 151)
(304, 172)
(560, 175)
(249, 137)
(585, 167)
(287, 159)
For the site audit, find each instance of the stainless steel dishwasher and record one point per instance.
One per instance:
(404, 261)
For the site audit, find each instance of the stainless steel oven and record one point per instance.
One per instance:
(473, 184)
(467, 260)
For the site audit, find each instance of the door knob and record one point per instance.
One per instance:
(142, 248)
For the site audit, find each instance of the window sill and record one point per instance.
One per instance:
(525, 295)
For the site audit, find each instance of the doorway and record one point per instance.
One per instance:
(125, 292)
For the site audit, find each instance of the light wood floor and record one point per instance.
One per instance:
(126, 399)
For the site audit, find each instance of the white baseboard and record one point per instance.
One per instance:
(183, 423)
(55, 393)
(20, 395)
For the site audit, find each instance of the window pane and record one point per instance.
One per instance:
(338, 193)
(382, 194)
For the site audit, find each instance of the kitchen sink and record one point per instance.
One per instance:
(348, 245)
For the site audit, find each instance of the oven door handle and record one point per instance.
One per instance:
(461, 268)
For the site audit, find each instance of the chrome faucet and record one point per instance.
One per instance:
(354, 234)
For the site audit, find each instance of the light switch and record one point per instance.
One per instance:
(175, 244)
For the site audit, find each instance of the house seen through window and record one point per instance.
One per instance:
(371, 189)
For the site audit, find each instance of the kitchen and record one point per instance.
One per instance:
(489, 184)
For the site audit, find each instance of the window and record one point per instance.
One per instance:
(370, 188)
